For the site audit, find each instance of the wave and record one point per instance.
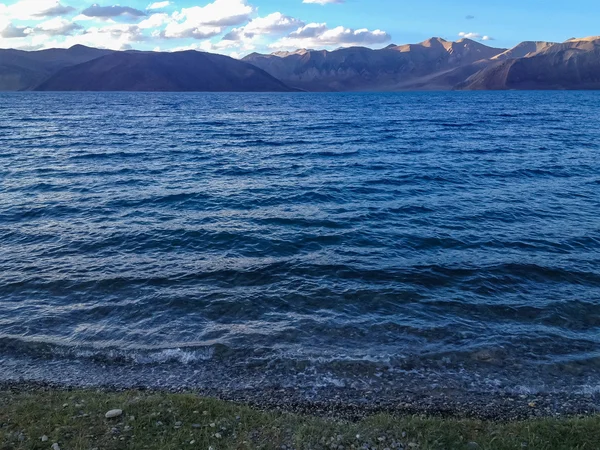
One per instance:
(104, 354)
(303, 240)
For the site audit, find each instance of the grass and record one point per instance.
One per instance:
(75, 420)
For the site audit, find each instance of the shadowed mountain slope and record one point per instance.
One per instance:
(152, 71)
(21, 70)
(574, 64)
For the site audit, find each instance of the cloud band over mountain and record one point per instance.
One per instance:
(225, 26)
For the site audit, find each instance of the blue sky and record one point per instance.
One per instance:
(238, 27)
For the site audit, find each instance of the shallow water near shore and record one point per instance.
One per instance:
(422, 242)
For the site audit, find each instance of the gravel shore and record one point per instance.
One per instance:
(353, 405)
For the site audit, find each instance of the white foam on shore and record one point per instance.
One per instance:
(175, 355)
(145, 357)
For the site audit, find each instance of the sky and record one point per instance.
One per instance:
(239, 27)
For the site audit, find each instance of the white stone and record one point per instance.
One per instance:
(44, 438)
(55, 446)
(113, 413)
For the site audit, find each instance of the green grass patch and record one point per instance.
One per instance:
(162, 421)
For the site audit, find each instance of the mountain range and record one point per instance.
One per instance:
(82, 68)
(435, 64)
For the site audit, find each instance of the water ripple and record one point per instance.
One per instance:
(394, 241)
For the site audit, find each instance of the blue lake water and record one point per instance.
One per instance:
(375, 241)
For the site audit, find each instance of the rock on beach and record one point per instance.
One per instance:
(113, 413)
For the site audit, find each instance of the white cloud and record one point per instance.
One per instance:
(57, 26)
(34, 9)
(154, 21)
(220, 13)
(181, 31)
(105, 12)
(273, 23)
(318, 35)
(229, 48)
(312, 30)
(56, 10)
(223, 26)
(475, 36)
(158, 5)
(11, 31)
(113, 36)
(203, 22)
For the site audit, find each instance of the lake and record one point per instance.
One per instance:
(375, 242)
